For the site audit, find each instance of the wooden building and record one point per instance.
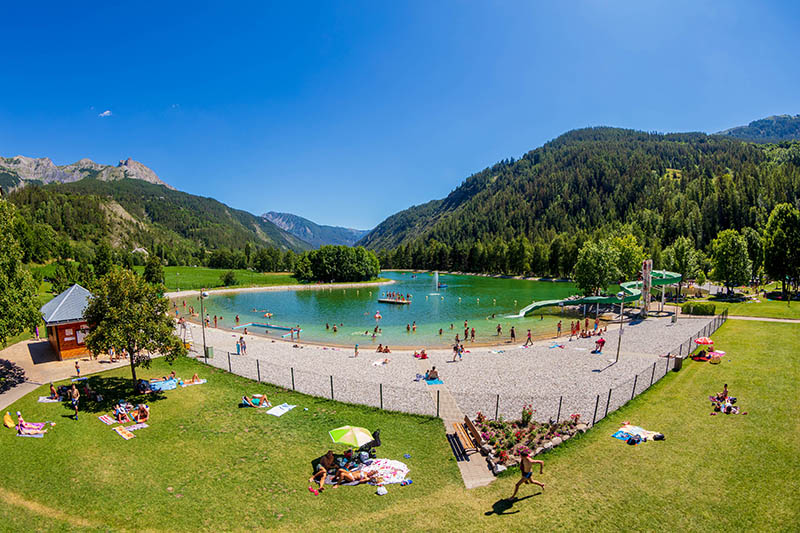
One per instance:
(66, 328)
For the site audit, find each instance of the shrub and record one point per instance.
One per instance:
(699, 308)
(228, 278)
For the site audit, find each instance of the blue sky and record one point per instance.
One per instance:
(347, 112)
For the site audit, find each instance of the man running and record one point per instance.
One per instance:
(526, 469)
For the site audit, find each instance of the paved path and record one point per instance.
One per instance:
(41, 366)
(474, 472)
(766, 319)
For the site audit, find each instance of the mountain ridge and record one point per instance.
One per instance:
(315, 234)
(775, 128)
(20, 171)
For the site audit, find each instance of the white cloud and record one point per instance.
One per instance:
(106, 113)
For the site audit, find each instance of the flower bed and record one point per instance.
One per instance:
(506, 439)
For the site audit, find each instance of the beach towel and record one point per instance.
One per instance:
(124, 433)
(379, 362)
(193, 383)
(636, 430)
(280, 410)
(434, 382)
(134, 427)
(390, 470)
(107, 420)
(557, 346)
(621, 435)
(163, 385)
(497, 351)
(79, 379)
(35, 435)
(48, 399)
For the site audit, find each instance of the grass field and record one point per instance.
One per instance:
(186, 277)
(206, 465)
(763, 309)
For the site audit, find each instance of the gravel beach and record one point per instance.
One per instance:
(540, 374)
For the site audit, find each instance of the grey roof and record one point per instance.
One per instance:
(67, 306)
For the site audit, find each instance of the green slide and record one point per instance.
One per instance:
(632, 290)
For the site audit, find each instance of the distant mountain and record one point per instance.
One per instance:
(18, 171)
(312, 233)
(771, 129)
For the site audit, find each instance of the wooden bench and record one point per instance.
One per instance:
(467, 435)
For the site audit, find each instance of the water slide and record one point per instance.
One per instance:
(632, 290)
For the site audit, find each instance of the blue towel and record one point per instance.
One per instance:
(434, 382)
(621, 435)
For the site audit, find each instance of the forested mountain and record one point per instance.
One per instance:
(315, 234)
(19, 171)
(590, 181)
(771, 129)
(179, 227)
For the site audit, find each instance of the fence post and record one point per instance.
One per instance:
(229, 363)
(680, 350)
(608, 401)
(437, 403)
(653, 375)
(666, 369)
(596, 403)
(633, 392)
(258, 371)
(293, 378)
(381, 396)
(497, 407)
(331, 387)
(558, 416)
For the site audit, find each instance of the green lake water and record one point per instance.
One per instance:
(482, 302)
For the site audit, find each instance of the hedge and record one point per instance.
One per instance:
(699, 308)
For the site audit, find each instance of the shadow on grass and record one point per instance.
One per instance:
(112, 390)
(502, 506)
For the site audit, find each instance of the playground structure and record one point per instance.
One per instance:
(271, 326)
(632, 291)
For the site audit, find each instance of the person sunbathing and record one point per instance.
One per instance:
(423, 354)
(142, 414)
(325, 465)
(380, 348)
(258, 400)
(53, 394)
(345, 476)
(27, 428)
(386, 349)
(432, 374)
(195, 379)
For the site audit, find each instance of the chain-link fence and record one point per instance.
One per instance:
(591, 406)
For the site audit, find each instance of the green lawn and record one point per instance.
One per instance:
(765, 308)
(238, 469)
(186, 277)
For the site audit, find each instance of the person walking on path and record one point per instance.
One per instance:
(355, 351)
(526, 469)
(74, 397)
(528, 341)
(77, 369)
(239, 346)
(244, 347)
(559, 329)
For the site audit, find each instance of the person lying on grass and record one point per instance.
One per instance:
(26, 428)
(258, 400)
(345, 476)
(526, 469)
(195, 379)
(53, 394)
(326, 464)
(142, 413)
